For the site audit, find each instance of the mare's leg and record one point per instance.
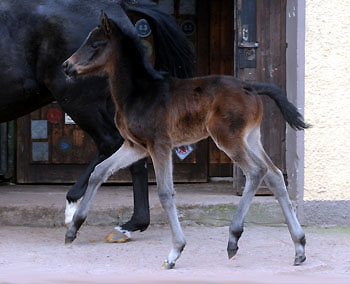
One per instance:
(79, 100)
(141, 217)
(124, 157)
(76, 193)
(162, 161)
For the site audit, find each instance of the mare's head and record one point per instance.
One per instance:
(96, 53)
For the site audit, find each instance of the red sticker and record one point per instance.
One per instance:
(54, 115)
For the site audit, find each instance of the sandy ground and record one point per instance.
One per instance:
(38, 255)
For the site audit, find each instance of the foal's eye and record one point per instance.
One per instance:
(97, 44)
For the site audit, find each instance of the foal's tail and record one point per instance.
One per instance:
(289, 111)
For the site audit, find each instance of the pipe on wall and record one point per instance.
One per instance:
(3, 150)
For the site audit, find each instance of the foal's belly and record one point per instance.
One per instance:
(189, 135)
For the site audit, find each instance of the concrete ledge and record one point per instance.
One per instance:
(210, 204)
(327, 213)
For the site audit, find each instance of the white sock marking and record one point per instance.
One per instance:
(71, 207)
(125, 232)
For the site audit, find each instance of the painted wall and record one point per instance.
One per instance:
(327, 100)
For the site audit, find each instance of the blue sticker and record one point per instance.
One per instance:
(143, 28)
(64, 145)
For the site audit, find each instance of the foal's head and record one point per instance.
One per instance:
(95, 54)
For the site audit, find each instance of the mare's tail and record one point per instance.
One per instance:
(289, 111)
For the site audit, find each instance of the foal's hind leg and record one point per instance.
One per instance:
(234, 143)
(275, 181)
(254, 170)
(162, 161)
(125, 156)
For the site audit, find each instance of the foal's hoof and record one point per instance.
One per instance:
(167, 265)
(299, 260)
(117, 236)
(231, 252)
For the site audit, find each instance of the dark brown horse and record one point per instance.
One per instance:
(157, 112)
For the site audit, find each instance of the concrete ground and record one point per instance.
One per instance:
(32, 237)
(266, 255)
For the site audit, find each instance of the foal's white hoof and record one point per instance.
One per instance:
(118, 236)
(168, 265)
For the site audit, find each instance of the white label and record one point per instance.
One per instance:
(68, 119)
(183, 151)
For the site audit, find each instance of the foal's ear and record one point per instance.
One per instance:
(105, 22)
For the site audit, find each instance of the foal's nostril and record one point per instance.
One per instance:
(68, 68)
(65, 65)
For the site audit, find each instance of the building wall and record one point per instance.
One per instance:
(327, 100)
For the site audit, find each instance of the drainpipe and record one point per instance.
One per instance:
(11, 148)
(3, 150)
(7, 150)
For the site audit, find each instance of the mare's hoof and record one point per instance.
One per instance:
(117, 237)
(232, 252)
(167, 265)
(299, 260)
(69, 239)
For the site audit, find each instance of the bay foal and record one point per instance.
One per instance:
(156, 113)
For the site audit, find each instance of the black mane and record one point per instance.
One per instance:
(126, 27)
(172, 50)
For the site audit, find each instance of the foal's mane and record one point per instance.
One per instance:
(173, 53)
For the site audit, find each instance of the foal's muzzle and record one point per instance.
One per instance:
(69, 69)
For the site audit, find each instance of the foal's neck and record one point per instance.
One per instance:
(128, 77)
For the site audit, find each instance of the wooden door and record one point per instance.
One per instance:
(261, 56)
(52, 149)
(221, 61)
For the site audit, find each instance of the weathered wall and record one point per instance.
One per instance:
(327, 100)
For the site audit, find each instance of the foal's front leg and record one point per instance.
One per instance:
(125, 156)
(162, 162)
(141, 216)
